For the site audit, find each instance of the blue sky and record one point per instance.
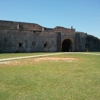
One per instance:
(83, 15)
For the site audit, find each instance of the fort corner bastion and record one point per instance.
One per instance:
(31, 37)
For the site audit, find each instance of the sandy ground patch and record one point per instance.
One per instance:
(55, 59)
(9, 62)
(5, 62)
(15, 62)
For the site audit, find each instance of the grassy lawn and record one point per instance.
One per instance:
(59, 77)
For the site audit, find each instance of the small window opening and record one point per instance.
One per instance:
(20, 44)
(19, 26)
(86, 45)
(33, 43)
(45, 45)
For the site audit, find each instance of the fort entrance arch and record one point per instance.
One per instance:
(66, 45)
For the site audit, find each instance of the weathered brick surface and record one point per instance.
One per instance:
(30, 37)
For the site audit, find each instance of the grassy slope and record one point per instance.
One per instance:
(51, 80)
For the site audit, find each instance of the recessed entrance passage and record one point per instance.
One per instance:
(66, 45)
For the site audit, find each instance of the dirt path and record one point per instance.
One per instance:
(45, 55)
(92, 53)
(35, 56)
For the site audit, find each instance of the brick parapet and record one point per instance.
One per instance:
(10, 25)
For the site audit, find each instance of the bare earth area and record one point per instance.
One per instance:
(55, 59)
(43, 59)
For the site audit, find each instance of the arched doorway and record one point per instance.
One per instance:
(66, 45)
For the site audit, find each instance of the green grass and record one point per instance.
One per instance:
(28, 79)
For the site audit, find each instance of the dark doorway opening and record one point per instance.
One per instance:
(45, 45)
(20, 44)
(66, 45)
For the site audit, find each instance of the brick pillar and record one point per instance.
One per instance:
(59, 42)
